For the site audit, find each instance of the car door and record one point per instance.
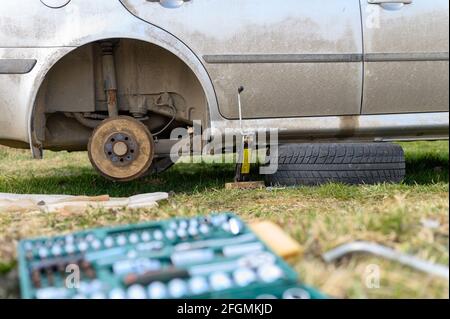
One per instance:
(294, 57)
(406, 54)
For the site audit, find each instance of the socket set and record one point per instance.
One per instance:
(215, 256)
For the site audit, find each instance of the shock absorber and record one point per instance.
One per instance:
(109, 77)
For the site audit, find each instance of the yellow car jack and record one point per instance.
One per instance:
(242, 173)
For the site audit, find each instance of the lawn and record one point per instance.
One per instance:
(319, 218)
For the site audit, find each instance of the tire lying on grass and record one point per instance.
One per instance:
(347, 163)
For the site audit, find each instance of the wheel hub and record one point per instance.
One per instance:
(121, 149)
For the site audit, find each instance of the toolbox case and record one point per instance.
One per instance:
(215, 256)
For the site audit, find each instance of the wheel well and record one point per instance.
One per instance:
(153, 84)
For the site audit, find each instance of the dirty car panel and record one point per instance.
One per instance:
(315, 70)
(307, 48)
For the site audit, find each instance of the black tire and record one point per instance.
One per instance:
(347, 163)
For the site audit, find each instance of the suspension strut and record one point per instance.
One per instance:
(109, 77)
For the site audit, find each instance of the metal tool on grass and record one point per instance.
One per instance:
(387, 253)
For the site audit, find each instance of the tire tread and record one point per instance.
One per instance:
(348, 163)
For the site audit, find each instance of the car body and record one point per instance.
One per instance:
(316, 70)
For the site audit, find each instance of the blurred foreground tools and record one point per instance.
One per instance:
(212, 256)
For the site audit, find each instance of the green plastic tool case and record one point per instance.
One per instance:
(215, 256)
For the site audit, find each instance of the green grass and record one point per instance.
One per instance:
(319, 218)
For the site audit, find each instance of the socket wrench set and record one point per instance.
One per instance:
(216, 256)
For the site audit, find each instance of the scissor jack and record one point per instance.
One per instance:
(244, 150)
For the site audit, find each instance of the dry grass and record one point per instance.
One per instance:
(319, 218)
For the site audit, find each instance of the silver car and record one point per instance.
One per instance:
(116, 77)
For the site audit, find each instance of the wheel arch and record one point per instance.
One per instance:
(152, 35)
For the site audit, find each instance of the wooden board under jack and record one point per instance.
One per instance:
(245, 185)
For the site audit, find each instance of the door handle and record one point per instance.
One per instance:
(390, 1)
(170, 3)
(390, 5)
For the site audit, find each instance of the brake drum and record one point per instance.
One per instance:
(121, 148)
